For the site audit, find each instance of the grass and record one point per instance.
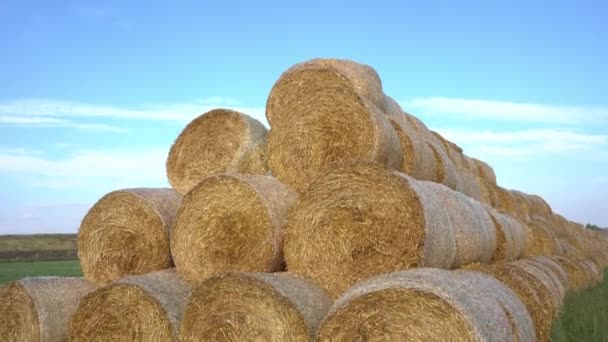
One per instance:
(584, 316)
(15, 270)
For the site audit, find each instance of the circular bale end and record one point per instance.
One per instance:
(396, 314)
(218, 141)
(127, 232)
(253, 307)
(137, 308)
(331, 127)
(353, 223)
(231, 222)
(18, 317)
(117, 312)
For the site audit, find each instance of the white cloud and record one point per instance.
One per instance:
(524, 143)
(505, 111)
(52, 122)
(108, 168)
(31, 120)
(181, 112)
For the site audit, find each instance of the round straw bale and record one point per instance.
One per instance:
(420, 304)
(127, 232)
(529, 289)
(453, 151)
(506, 201)
(40, 309)
(485, 171)
(362, 220)
(254, 307)
(577, 278)
(145, 307)
(446, 171)
(522, 205)
(541, 240)
(553, 266)
(510, 236)
(417, 160)
(303, 80)
(468, 185)
(553, 288)
(333, 126)
(231, 222)
(218, 141)
(538, 206)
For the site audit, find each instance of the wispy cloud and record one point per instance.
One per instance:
(108, 168)
(180, 112)
(505, 111)
(525, 143)
(53, 122)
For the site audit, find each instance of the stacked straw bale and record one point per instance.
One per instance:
(231, 222)
(361, 220)
(218, 141)
(428, 305)
(39, 309)
(254, 307)
(127, 232)
(139, 308)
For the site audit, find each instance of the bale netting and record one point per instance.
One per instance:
(530, 290)
(552, 288)
(138, 308)
(254, 307)
(522, 205)
(428, 305)
(505, 201)
(329, 128)
(446, 171)
(40, 309)
(361, 220)
(510, 236)
(468, 185)
(299, 84)
(218, 141)
(231, 222)
(127, 232)
(417, 161)
(485, 171)
(539, 207)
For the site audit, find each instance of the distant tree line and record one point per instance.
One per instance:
(594, 227)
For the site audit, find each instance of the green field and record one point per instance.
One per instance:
(584, 316)
(16, 270)
(38, 247)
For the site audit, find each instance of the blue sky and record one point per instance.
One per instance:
(92, 94)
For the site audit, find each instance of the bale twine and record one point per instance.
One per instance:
(468, 185)
(421, 304)
(127, 232)
(362, 220)
(231, 222)
(40, 309)
(218, 141)
(510, 236)
(416, 159)
(254, 307)
(302, 81)
(331, 127)
(138, 308)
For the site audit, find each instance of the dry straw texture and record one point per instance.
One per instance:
(218, 141)
(302, 80)
(427, 304)
(137, 308)
(254, 307)
(333, 126)
(231, 222)
(510, 236)
(362, 220)
(532, 292)
(40, 309)
(127, 232)
(541, 239)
